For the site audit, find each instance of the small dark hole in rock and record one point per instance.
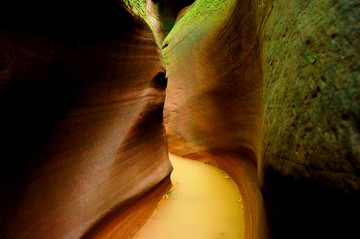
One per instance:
(307, 129)
(159, 81)
(315, 94)
(344, 116)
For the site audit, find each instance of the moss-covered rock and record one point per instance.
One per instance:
(311, 92)
(311, 149)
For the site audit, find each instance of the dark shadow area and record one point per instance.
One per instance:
(53, 57)
(175, 6)
(159, 81)
(67, 22)
(304, 209)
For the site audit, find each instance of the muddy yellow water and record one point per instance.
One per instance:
(204, 203)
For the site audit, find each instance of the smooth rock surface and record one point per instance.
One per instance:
(213, 108)
(214, 95)
(81, 99)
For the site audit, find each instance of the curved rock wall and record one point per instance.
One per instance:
(214, 96)
(213, 108)
(276, 81)
(81, 99)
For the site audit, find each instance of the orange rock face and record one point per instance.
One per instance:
(214, 96)
(81, 98)
(213, 108)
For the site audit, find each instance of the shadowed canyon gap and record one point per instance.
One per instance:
(266, 90)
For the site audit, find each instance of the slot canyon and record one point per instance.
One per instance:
(94, 95)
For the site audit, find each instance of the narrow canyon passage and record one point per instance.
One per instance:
(203, 203)
(94, 95)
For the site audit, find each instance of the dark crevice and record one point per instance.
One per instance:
(175, 6)
(166, 13)
(159, 81)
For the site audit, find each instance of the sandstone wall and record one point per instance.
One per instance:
(214, 95)
(275, 81)
(81, 100)
(213, 108)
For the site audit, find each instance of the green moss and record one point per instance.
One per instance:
(204, 17)
(313, 59)
(202, 9)
(137, 7)
(204, 14)
(313, 74)
(166, 58)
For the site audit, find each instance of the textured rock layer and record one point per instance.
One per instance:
(311, 154)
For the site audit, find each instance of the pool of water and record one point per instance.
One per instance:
(204, 203)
